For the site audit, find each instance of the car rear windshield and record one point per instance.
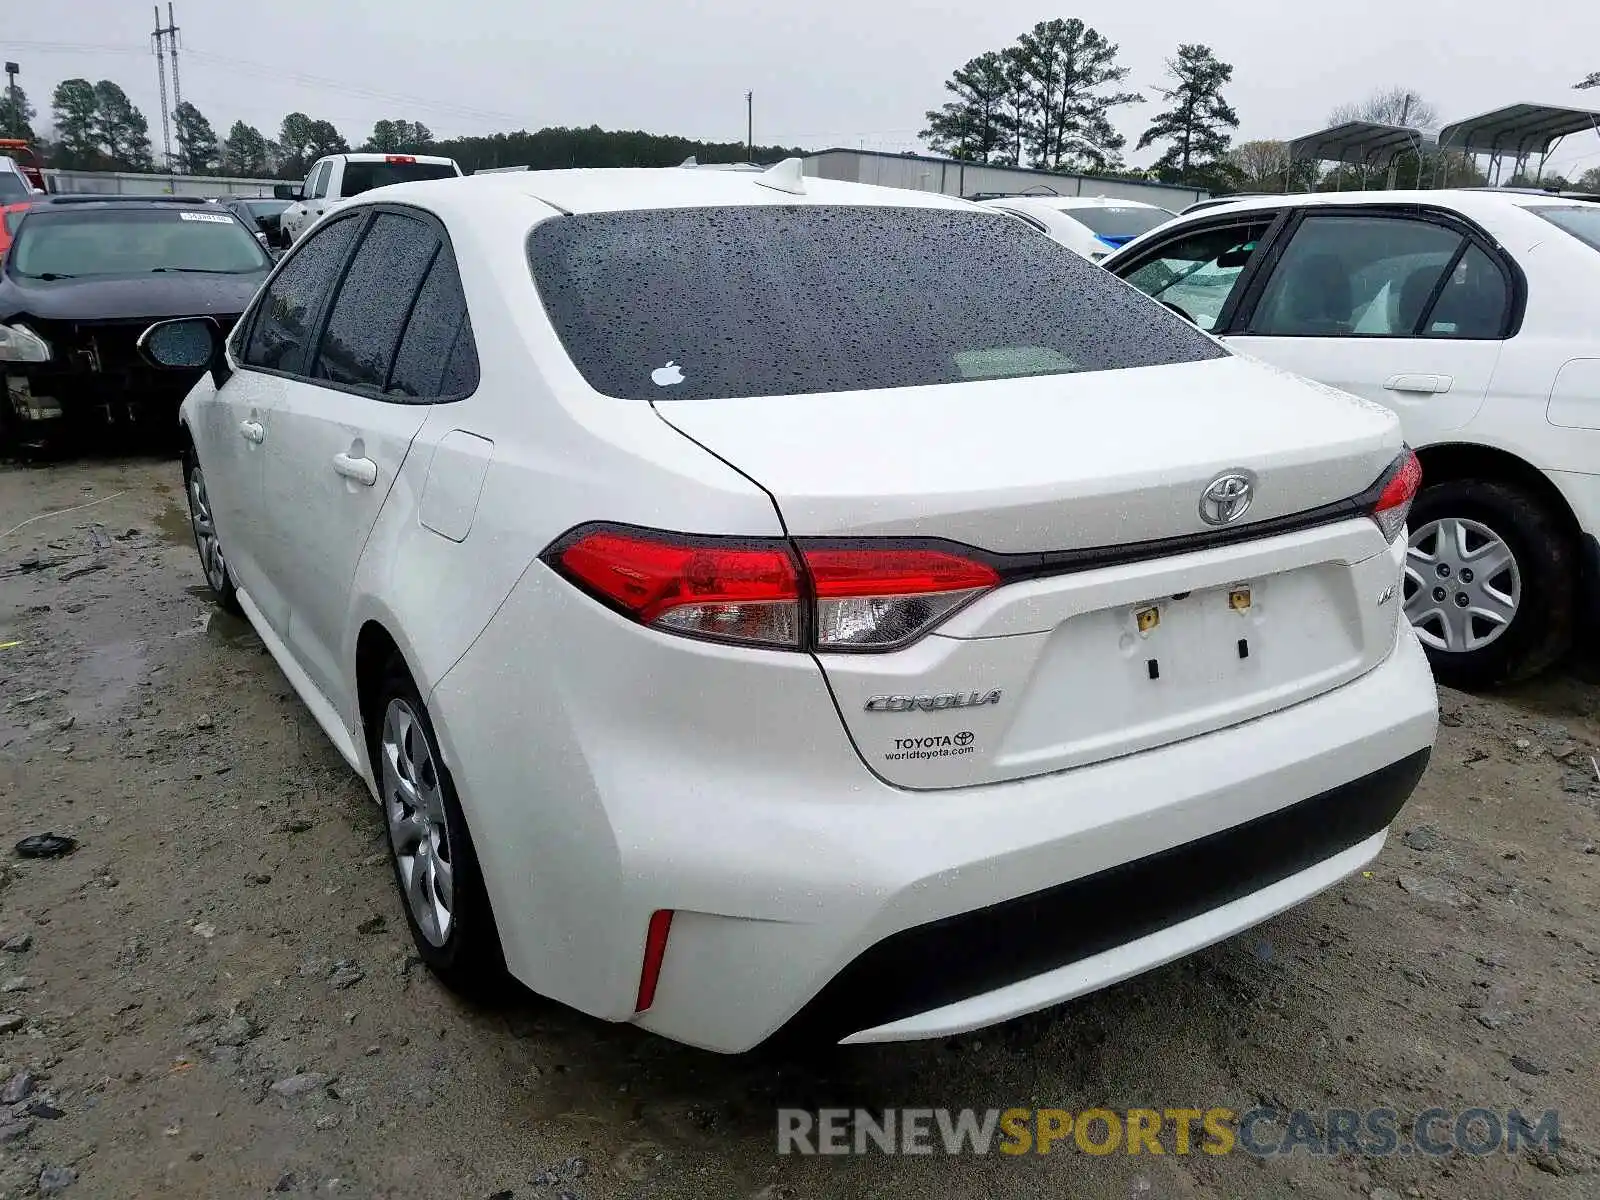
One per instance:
(13, 187)
(66, 243)
(1582, 221)
(265, 208)
(782, 300)
(364, 176)
(1122, 224)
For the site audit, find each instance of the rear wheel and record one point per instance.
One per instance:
(1490, 583)
(213, 564)
(435, 866)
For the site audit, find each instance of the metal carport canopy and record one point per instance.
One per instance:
(1368, 142)
(1518, 129)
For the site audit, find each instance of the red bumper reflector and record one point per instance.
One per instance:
(655, 950)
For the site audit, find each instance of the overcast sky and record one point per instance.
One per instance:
(824, 72)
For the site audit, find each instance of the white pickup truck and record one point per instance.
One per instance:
(336, 178)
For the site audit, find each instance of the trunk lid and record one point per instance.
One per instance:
(1072, 663)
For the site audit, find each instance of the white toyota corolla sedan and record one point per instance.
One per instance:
(771, 604)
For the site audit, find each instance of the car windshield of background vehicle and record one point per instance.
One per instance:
(13, 187)
(67, 244)
(1119, 224)
(772, 300)
(364, 176)
(265, 208)
(1582, 221)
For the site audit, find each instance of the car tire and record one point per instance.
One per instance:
(434, 864)
(1451, 525)
(207, 544)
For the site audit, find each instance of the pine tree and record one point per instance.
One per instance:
(974, 126)
(197, 142)
(1198, 125)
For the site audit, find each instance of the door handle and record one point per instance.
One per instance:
(252, 431)
(1425, 384)
(363, 470)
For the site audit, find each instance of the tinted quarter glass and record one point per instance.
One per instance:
(1354, 275)
(291, 301)
(772, 300)
(367, 316)
(1199, 273)
(437, 357)
(1473, 302)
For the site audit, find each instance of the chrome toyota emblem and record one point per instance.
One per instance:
(1226, 499)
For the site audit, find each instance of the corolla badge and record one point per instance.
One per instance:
(935, 703)
(1226, 499)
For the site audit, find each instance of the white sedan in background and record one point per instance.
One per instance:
(1094, 226)
(745, 623)
(1474, 315)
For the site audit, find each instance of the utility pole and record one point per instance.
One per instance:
(11, 92)
(749, 127)
(162, 39)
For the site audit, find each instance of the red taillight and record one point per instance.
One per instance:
(655, 952)
(1399, 489)
(755, 592)
(879, 598)
(400, 158)
(727, 591)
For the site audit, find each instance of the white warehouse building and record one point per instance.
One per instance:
(927, 173)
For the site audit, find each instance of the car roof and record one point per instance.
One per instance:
(365, 156)
(1060, 203)
(1465, 200)
(95, 198)
(108, 203)
(624, 189)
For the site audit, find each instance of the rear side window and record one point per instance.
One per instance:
(1360, 275)
(291, 302)
(369, 314)
(771, 300)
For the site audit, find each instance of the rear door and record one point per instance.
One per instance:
(1406, 307)
(340, 434)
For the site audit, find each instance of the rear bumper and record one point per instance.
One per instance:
(803, 886)
(978, 967)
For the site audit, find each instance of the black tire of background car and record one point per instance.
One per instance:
(470, 963)
(1542, 630)
(228, 598)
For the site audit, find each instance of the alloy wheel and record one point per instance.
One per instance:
(205, 532)
(413, 806)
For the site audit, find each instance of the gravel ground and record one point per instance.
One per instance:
(214, 995)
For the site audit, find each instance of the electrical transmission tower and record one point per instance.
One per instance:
(164, 40)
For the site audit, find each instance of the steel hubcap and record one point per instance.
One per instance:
(414, 807)
(1463, 586)
(205, 532)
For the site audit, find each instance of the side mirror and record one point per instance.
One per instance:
(185, 344)
(286, 191)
